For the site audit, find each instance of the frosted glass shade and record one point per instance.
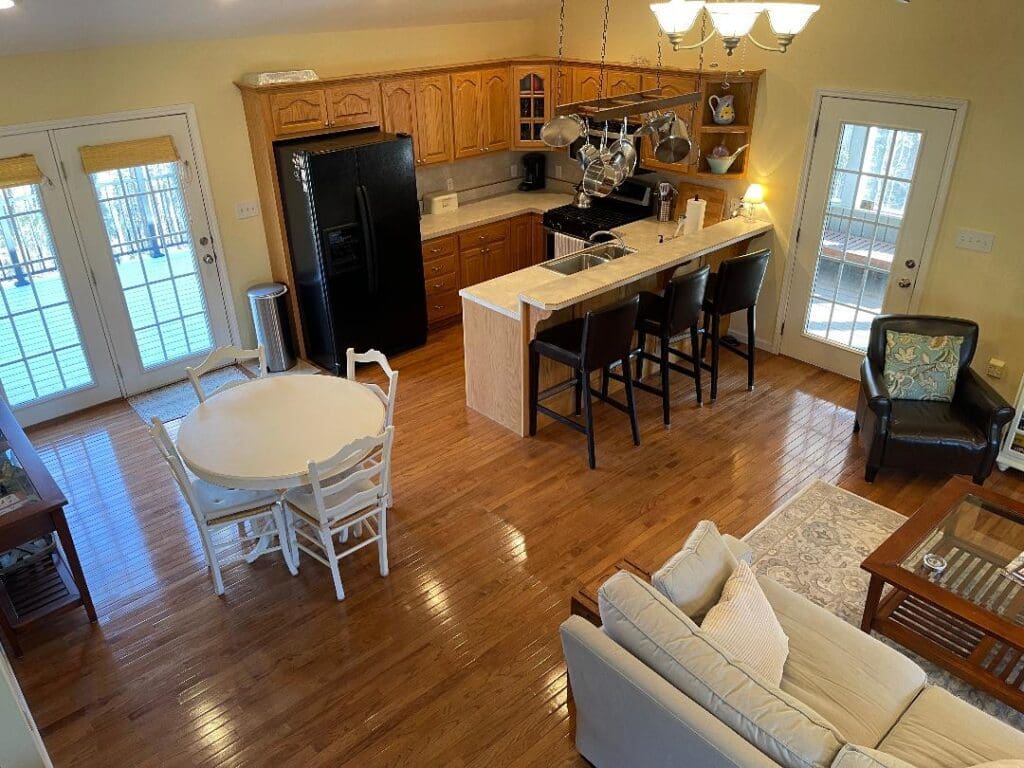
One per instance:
(678, 16)
(789, 18)
(754, 195)
(6, 5)
(734, 19)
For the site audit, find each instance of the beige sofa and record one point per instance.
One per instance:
(652, 691)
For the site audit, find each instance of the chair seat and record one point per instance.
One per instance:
(926, 431)
(219, 502)
(302, 498)
(561, 342)
(941, 731)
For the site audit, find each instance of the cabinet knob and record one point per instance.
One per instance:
(439, 285)
(439, 306)
(436, 269)
(435, 250)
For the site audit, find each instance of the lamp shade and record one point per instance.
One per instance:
(6, 5)
(789, 18)
(734, 19)
(754, 195)
(677, 17)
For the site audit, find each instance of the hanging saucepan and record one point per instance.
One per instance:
(561, 131)
(623, 157)
(600, 179)
(674, 143)
(652, 126)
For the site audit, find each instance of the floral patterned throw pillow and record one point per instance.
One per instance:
(921, 367)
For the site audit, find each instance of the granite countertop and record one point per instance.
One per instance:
(489, 210)
(547, 290)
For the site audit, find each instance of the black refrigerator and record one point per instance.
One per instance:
(354, 233)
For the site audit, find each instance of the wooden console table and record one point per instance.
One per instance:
(54, 583)
(584, 600)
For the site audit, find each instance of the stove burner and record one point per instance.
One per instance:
(583, 222)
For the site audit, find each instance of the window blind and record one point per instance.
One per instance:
(18, 171)
(128, 154)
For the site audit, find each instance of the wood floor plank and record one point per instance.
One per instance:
(453, 659)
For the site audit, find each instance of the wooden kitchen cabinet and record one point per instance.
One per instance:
(298, 111)
(585, 82)
(399, 115)
(480, 112)
(433, 105)
(521, 239)
(531, 105)
(539, 245)
(353, 105)
(398, 107)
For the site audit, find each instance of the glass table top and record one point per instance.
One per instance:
(976, 552)
(16, 488)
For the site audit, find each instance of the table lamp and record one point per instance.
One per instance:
(753, 197)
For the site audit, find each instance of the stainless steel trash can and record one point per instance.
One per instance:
(269, 305)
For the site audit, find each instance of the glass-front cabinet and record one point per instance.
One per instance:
(532, 96)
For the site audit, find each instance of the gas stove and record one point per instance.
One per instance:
(630, 202)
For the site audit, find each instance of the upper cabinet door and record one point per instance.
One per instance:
(495, 117)
(531, 105)
(398, 109)
(671, 85)
(586, 82)
(298, 112)
(353, 105)
(434, 119)
(467, 99)
(617, 82)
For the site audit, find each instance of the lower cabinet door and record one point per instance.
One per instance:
(521, 238)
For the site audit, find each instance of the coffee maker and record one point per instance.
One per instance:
(533, 172)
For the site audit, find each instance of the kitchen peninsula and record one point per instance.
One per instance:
(501, 316)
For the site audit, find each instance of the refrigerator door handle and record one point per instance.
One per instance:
(370, 236)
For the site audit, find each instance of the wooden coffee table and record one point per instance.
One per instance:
(968, 617)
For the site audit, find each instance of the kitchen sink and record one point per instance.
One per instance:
(588, 258)
(575, 262)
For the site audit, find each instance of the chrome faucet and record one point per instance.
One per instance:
(622, 243)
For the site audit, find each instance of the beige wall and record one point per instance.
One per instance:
(935, 48)
(69, 84)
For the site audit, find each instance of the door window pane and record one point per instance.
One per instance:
(868, 193)
(147, 225)
(41, 351)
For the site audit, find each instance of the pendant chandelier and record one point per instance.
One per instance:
(733, 21)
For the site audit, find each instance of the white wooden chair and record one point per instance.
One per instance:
(219, 358)
(335, 502)
(387, 398)
(214, 507)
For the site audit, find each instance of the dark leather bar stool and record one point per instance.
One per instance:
(734, 287)
(669, 316)
(596, 342)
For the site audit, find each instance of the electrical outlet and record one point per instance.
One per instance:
(513, 171)
(558, 170)
(449, 184)
(973, 240)
(246, 210)
(996, 368)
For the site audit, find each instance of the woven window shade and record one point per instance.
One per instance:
(128, 154)
(18, 171)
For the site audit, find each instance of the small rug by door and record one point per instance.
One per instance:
(175, 400)
(814, 544)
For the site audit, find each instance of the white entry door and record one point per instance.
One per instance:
(146, 230)
(54, 357)
(871, 200)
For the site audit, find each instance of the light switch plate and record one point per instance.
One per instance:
(449, 184)
(558, 170)
(995, 368)
(973, 240)
(513, 171)
(246, 210)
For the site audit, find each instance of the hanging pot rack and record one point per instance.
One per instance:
(626, 105)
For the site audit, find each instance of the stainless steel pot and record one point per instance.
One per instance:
(600, 179)
(561, 131)
(674, 144)
(623, 154)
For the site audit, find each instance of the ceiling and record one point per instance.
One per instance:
(41, 25)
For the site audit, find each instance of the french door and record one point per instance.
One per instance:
(872, 197)
(109, 283)
(53, 351)
(144, 225)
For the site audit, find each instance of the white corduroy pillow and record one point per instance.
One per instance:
(744, 623)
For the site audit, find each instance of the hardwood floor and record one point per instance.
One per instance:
(453, 659)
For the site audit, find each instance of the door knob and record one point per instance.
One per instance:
(204, 240)
(208, 258)
(904, 283)
(910, 263)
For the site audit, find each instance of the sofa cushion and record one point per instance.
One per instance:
(744, 623)
(941, 731)
(694, 576)
(644, 622)
(847, 676)
(919, 367)
(854, 756)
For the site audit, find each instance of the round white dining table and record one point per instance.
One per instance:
(261, 435)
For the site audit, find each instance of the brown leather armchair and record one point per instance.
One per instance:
(961, 437)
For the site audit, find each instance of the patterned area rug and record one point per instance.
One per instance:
(175, 400)
(814, 545)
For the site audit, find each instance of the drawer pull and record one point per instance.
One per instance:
(436, 269)
(439, 306)
(439, 285)
(435, 250)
